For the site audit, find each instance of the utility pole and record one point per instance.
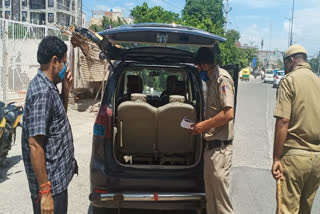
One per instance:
(289, 30)
(227, 11)
(291, 39)
(270, 44)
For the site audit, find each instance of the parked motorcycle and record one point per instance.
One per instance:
(9, 120)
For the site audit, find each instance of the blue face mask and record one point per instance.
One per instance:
(204, 75)
(63, 72)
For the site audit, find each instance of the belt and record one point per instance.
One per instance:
(217, 143)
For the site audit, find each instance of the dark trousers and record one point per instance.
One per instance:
(60, 203)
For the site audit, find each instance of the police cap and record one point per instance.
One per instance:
(295, 49)
(205, 56)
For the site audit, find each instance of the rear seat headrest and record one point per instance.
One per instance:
(176, 99)
(180, 88)
(139, 98)
(171, 84)
(134, 84)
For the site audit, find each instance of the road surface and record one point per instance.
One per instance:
(253, 188)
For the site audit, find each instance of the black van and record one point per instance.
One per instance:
(141, 157)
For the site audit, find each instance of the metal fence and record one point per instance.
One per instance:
(19, 43)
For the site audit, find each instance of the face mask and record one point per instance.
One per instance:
(204, 75)
(63, 72)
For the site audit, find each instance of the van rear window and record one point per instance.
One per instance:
(154, 80)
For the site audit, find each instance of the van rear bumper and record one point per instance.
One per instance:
(149, 201)
(95, 197)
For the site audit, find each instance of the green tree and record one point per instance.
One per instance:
(106, 23)
(96, 28)
(204, 14)
(315, 64)
(233, 36)
(142, 14)
(246, 56)
(280, 64)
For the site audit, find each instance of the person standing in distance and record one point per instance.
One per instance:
(47, 141)
(296, 156)
(217, 130)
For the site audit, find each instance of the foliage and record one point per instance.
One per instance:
(247, 55)
(143, 14)
(20, 31)
(280, 64)
(315, 64)
(231, 54)
(206, 15)
(95, 28)
(233, 36)
(17, 31)
(106, 23)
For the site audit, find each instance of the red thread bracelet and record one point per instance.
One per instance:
(41, 192)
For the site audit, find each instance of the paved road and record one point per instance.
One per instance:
(253, 188)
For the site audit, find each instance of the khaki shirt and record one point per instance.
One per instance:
(220, 94)
(298, 101)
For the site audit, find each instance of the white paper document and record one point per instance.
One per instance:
(186, 123)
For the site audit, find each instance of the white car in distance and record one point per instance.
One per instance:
(276, 80)
(268, 76)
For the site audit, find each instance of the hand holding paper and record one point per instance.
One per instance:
(186, 123)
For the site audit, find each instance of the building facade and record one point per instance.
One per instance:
(271, 59)
(43, 12)
(113, 14)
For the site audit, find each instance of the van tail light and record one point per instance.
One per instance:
(277, 77)
(101, 191)
(102, 125)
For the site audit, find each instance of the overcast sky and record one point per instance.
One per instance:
(254, 19)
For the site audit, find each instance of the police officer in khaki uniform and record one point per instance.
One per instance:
(296, 157)
(217, 132)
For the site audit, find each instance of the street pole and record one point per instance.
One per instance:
(291, 40)
(289, 31)
(227, 11)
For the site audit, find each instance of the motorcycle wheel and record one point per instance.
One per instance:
(5, 150)
(3, 157)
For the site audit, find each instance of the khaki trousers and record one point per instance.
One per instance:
(301, 172)
(217, 165)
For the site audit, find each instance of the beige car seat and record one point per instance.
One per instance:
(172, 138)
(137, 125)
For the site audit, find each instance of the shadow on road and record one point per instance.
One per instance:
(9, 163)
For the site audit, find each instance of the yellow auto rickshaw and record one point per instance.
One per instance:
(245, 74)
